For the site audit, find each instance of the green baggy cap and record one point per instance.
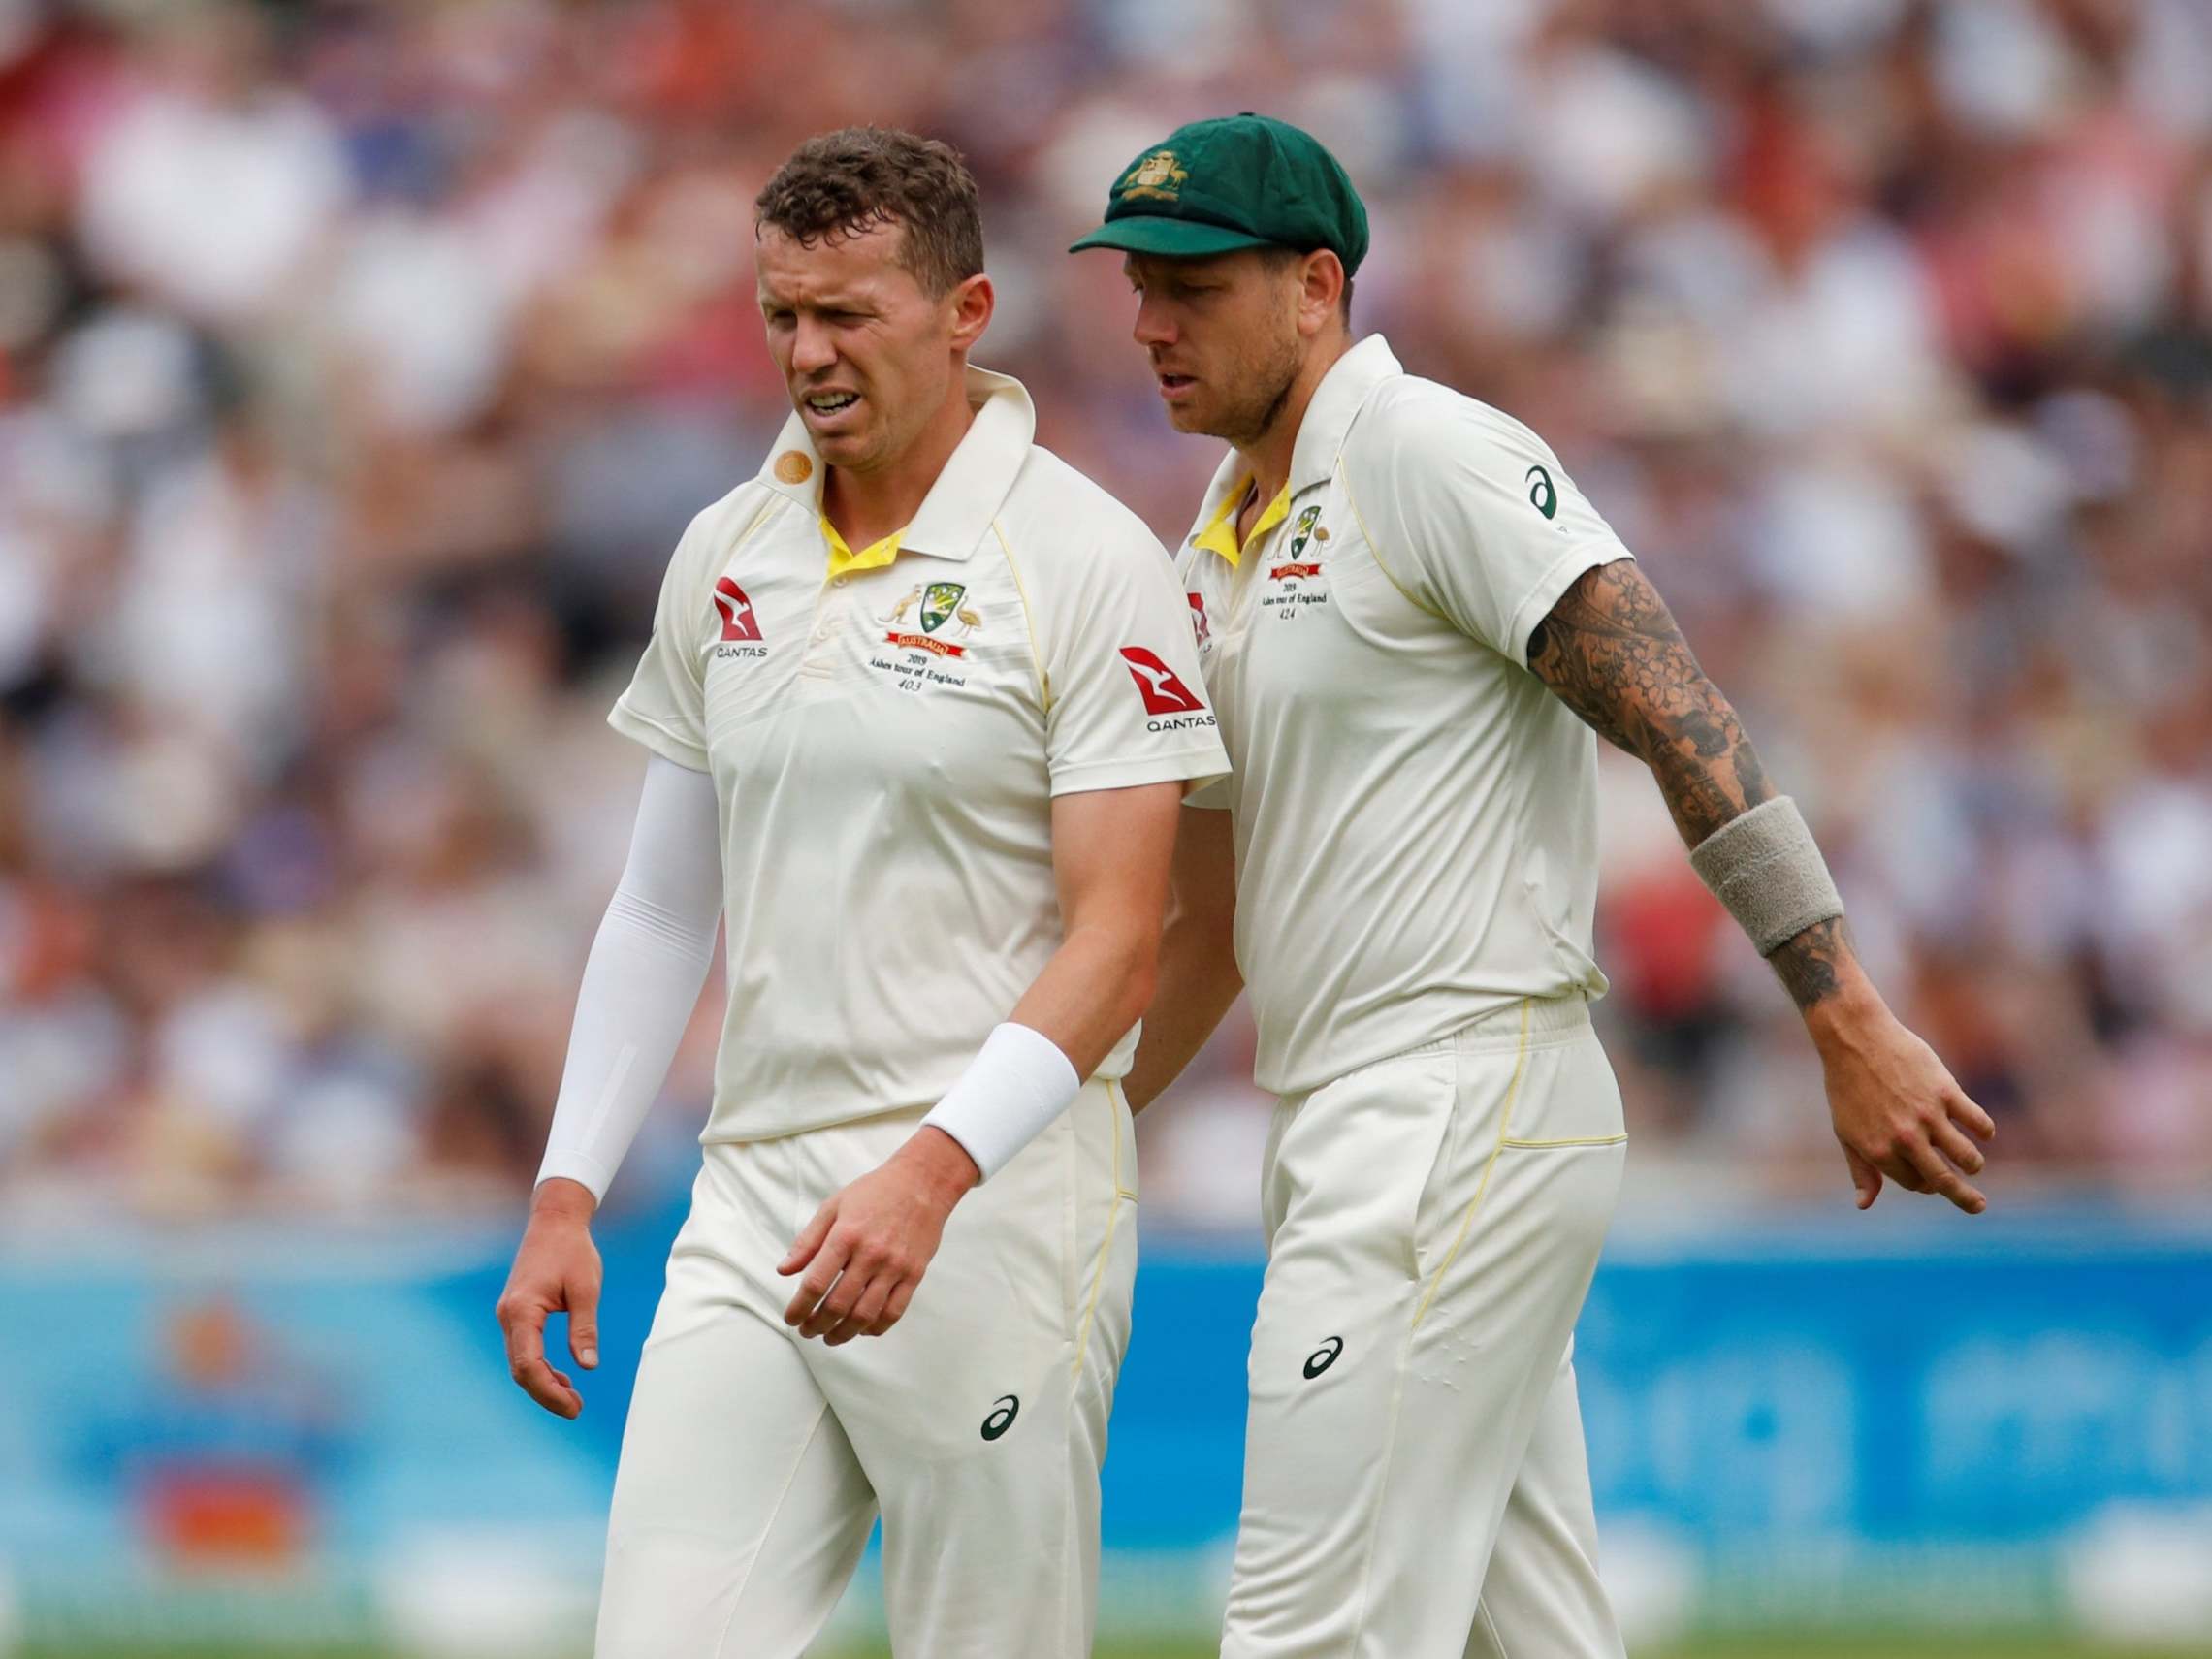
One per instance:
(1238, 182)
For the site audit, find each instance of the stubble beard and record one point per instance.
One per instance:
(1269, 378)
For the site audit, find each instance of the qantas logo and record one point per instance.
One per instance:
(1199, 624)
(1157, 684)
(737, 619)
(1173, 705)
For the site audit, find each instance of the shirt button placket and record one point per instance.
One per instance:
(820, 662)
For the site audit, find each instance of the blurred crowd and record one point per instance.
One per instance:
(361, 363)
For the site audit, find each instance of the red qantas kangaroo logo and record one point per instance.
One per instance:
(1200, 625)
(737, 619)
(1157, 684)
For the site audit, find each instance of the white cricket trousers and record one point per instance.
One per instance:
(754, 1463)
(1415, 1482)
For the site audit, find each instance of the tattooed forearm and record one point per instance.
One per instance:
(1811, 965)
(1611, 651)
(1613, 654)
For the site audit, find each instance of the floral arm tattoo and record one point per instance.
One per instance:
(1611, 651)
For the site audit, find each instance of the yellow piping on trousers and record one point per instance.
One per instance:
(1106, 1246)
(1504, 1130)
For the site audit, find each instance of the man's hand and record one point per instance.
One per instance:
(868, 1246)
(1898, 1111)
(557, 1266)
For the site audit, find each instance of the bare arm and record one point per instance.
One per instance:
(1611, 651)
(1198, 956)
(866, 1249)
(1111, 853)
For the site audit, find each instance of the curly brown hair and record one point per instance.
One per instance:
(843, 183)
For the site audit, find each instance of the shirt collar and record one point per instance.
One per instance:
(957, 512)
(1223, 496)
(1337, 401)
(1219, 536)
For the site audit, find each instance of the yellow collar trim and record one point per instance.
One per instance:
(874, 556)
(1220, 535)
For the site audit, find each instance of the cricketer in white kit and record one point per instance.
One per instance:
(921, 704)
(1411, 621)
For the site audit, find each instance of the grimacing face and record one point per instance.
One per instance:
(1222, 336)
(865, 351)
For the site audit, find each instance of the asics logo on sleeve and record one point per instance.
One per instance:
(1005, 1408)
(1156, 682)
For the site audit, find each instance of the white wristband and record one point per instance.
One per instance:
(1018, 1083)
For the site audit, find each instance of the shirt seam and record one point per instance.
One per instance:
(1181, 765)
(1545, 584)
(1028, 621)
(624, 711)
(1375, 547)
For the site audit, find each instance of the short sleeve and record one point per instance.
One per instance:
(1212, 795)
(1127, 703)
(664, 707)
(1474, 517)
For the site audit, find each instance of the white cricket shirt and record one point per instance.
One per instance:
(887, 731)
(1415, 813)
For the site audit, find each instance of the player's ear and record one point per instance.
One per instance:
(970, 303)
(1321, 290)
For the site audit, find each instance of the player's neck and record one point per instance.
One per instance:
(868, 506)
(1269, 457)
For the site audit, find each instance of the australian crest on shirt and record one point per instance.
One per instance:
(926, 627)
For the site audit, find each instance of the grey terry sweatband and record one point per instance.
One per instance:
(1764, 867)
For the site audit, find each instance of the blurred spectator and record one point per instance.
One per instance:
(359, 365)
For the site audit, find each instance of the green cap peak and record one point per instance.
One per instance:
(1234, 183)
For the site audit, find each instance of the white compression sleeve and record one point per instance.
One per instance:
(643, 978)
